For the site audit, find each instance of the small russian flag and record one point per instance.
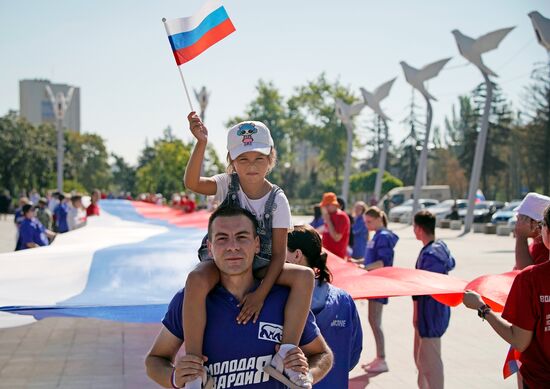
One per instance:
(512, 363)
(192, 35)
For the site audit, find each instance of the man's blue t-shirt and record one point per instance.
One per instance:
(31, 231)
(238, 353)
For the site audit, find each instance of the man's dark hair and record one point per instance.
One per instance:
(425, 220)
(342, 203)
(26, 208)
(227, 211)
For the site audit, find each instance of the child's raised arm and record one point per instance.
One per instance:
(192, 178)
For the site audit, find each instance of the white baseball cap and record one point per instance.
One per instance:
(249, 136)
(533, 205)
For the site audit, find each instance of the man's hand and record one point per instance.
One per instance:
(189, 367)
(472, 300)
(296, 360)
(250, 307)
(525, 228)
(197, 128)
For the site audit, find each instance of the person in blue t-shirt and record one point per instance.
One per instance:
(430, 318)
(334, 309)
(380, 251)
(31, 232)
(236, 355)
(61, 211)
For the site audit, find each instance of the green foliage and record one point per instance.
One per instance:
(27, 155)
(164, 166)
(71, 185)
(86, 161)
(364, 182)
(124, 175)
(313, 117)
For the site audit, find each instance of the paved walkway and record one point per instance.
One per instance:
(87, 353)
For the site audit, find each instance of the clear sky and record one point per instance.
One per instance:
(118, 54)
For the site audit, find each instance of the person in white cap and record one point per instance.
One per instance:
(530, 213)
(251, 156)
(524, 321)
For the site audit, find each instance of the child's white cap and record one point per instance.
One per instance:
(533, 205)
(249, 136)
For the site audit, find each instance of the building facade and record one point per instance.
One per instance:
(36, 107)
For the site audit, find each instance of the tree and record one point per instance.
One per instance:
(86, 160)
(495, 160)
(27, 155)
(124, 175)
(313, 117)
(363, 183)
(408, 152)
(537, 130)
(163, 171)
(461, 133)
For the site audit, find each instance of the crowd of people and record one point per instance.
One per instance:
(361, 237)
(266, 282)
(38, 219)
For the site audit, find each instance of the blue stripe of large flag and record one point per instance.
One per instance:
(188, 38)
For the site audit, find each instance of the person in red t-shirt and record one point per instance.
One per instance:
(93, 208)
(337, 225)
(527, 226)
(525, 322)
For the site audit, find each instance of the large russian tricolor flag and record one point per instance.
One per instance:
(127, 264)
(192, 35)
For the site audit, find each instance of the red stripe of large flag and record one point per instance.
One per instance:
(192, 35)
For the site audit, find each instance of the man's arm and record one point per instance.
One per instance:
(522, 231)
(335, 235)
(159, 360)
(517, 337)
(319, 357)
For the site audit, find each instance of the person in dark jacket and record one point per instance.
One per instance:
(334, 309)
(430, 318)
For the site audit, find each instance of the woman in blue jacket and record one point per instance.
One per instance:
(379, 254)
(334, 309)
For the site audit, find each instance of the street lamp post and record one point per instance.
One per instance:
(417, 77)
(346, 113)
(373, 100)
(60, 103)
(471, 49)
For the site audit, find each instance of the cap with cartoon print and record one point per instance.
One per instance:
(249, 136)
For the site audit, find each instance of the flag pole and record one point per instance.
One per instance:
(181, 73)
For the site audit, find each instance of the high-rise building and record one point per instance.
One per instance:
(36, 107)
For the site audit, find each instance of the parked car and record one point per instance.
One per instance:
(444, 209)
(398, 196)
(504, 214)
(406, 208)
(483, 211)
